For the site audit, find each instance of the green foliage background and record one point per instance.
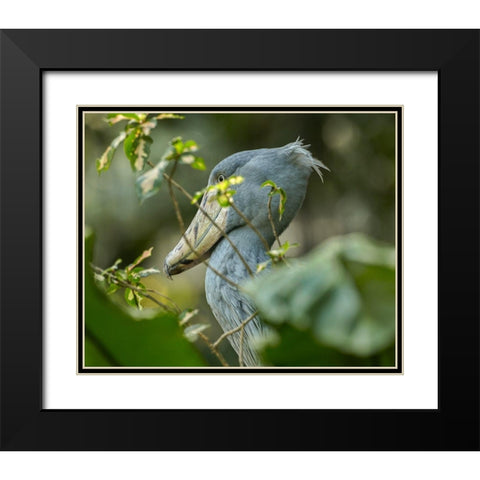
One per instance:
(358, 195)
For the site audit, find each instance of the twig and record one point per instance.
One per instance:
(240, 350)
(220, 229)
(275, 234)
(214, 350)
(241, 327)
(270, 217)
(152, 290)
(234, 330)
(250, 224)
(175, 203)
(178, 213)
(124, 284)
(121, 283)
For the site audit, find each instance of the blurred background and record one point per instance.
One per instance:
(357, 195)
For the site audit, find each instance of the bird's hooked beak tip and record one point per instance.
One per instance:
(166, 270)
(178, 260)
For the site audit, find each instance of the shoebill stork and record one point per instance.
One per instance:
(289, 167)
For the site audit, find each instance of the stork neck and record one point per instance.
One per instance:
(226, 260)
(230, 305)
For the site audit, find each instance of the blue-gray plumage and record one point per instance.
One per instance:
(289, 167)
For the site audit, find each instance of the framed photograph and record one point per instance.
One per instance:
(266, 191)
(315, 208)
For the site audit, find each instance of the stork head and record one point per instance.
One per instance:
(289, 167)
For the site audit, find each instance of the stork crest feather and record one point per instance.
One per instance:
(301, 154)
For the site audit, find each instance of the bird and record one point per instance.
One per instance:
(289, 167)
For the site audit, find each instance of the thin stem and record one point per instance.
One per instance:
(220, 229)
(270, 217)
(240, 350)
(175, 203)
(214, 350)
(250, 224)
(121, 283)
(220, 274)
(152, 290)
(124, 284)
(235, 330)
(241, 327)
(207, 341)
(178, 213)
(272, 223)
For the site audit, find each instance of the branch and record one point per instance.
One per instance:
(214, 350)
(178, 213)
(152, 290)
(270, 217)
(240, 350)
(220, 229)
(125, 284)
(250, 224)
(235, 330)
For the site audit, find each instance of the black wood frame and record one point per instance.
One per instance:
(26, 54)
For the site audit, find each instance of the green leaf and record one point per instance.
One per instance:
(137, 149)
(221, 189)
(198, 164)
(103, 163)
(127, 339)
(166, 116)
(112, 289)
(195, 162)
(275, 190)
(190, 146)
(341, 297)
(186, 316)
(148, 271)
(283, 201)
(118, 261)
(133, 298)
(98, 278)
(114, 118)
(279, 253)
(269, 183)
(145, 254)
(130, 297)
(192, 331)
(289, 347)
(198, 195)
(133, 279)
(148, 125)
(138, 299)
(121, 275)
(137, 269)
(130, 144)
(233, 180)
(223, 199)
(262, 266)
(149, 183)
(177, 144)
(187, 159)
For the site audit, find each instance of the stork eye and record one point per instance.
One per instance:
(220, 178)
